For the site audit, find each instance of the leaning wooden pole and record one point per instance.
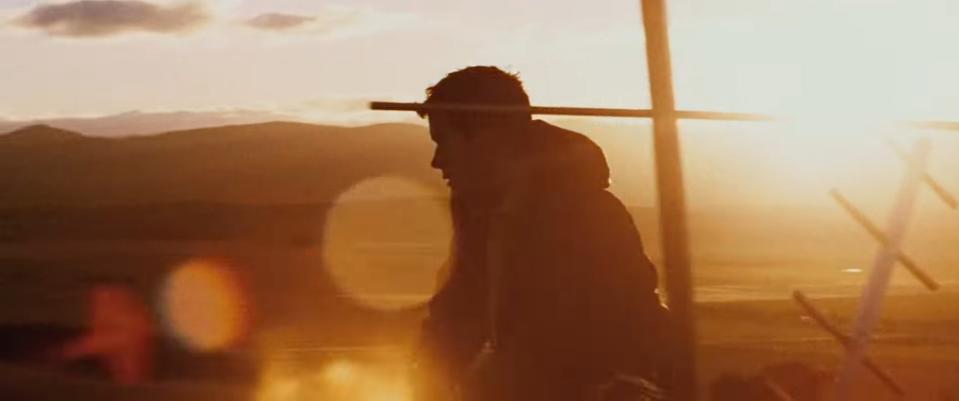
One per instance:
(672, 200)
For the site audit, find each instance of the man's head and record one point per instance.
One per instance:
(471, 147)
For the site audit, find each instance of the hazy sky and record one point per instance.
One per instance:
(324, 59)
(307, 57)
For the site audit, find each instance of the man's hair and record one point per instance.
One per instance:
(485, 85)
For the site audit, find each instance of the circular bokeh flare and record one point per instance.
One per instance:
(204, 306)
(386, 239)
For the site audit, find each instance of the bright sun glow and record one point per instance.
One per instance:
(859, 60)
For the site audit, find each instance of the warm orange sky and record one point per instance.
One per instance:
(323, 59)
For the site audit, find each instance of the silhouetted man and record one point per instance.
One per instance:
(550, 295)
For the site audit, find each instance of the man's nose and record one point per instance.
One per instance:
(438, 160)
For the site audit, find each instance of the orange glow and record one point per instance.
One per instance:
(340, 379)
(204, 305)
(340, 373)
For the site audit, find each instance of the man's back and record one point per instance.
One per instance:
(555, 277)
(576, 285)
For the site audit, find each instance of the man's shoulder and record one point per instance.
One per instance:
(550, 132)
(568, 157)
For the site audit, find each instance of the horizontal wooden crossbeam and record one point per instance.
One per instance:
(615, 112)
(566, 111)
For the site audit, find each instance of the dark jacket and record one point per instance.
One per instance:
(571, 285)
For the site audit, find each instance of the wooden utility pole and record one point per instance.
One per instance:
(672, 201)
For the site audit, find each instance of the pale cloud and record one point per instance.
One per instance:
(279, 21)
(101, 18)
(333, 21)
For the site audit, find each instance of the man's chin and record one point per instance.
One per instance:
(475, 196)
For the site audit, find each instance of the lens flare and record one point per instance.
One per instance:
(204, 305)
(386, 239)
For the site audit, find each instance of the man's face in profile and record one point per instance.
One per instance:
(470, 161)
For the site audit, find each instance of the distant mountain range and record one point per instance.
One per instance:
(265, 163)
(146, 123)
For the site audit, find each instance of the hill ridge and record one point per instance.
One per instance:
(39, 134)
